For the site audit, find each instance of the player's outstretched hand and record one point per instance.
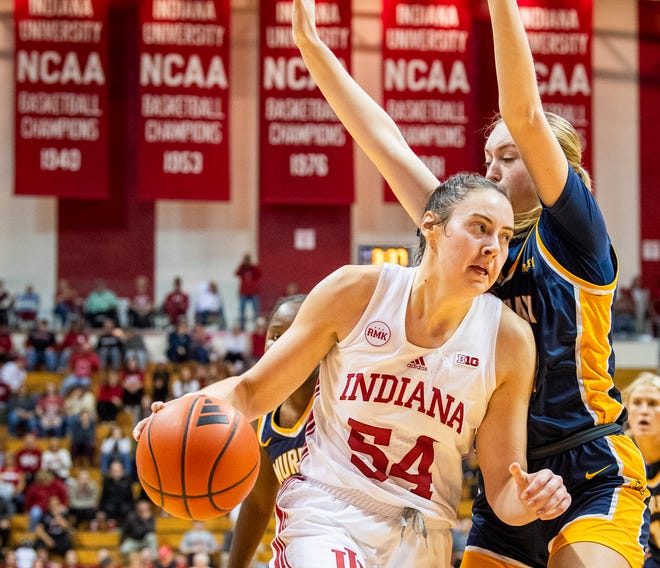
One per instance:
(304, 19)
(543, 492)
(142, 424)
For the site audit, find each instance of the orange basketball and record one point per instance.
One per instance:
(197, 458)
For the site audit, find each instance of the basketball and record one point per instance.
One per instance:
(197, 458)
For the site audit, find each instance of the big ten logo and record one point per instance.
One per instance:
(308, 165)
(183, 162)
(467, 360)
(377, 333)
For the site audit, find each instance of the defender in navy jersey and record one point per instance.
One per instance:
(561, 276)
(281, 434)
(642, 399)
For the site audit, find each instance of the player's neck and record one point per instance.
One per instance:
(432, 317)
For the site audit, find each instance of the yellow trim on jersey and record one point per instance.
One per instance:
(296, 427)
(594, 317)
(513, 267)
(475, 557)
(260, 426)
(593, 307)
(589, 287)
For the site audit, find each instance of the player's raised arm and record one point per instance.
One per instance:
(366, 121)
(520, 102)
(516, 497)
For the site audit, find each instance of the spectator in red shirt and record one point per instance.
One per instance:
(5, 393)
(250, 275)
(84, 362)
(28, 457)
(51, 415)
(258, 340)
(71, 560)
(176, 303)
(73, 340)
(6, 345)
(109, 400)
(44, 486)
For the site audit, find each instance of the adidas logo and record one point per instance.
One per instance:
(418, 364)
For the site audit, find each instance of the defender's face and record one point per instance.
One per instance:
(505, 167)
(281, 321)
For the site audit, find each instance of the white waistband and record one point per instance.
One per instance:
(363, 501)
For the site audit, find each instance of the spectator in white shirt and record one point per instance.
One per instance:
(209, 305)
(56, 459)
(13, 373)
(185, 383)
(237, 349)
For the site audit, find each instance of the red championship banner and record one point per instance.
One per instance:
(61, 98)
(306, 155)
(183, 136)
(428, 81)
(560, 35)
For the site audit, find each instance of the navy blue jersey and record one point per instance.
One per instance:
(562, 279)
(284, 445)
(653, 475)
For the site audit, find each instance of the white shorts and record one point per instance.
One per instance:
(316, 528)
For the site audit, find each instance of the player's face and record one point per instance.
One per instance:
(505, 167)
(475, 241)
(281, 321)
(644, 412)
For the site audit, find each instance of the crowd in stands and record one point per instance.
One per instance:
(636, 312)
(71, 465)
(25, 311)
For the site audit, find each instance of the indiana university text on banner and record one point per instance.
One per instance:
(61, 98)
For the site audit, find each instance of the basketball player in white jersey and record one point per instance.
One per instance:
(414, 361)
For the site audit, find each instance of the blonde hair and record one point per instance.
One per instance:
(523, 222)
(571, 145)
(643, 379)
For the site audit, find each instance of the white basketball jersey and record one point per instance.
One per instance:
(393, 420)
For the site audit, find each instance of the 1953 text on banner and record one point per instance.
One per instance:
(183, 144)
